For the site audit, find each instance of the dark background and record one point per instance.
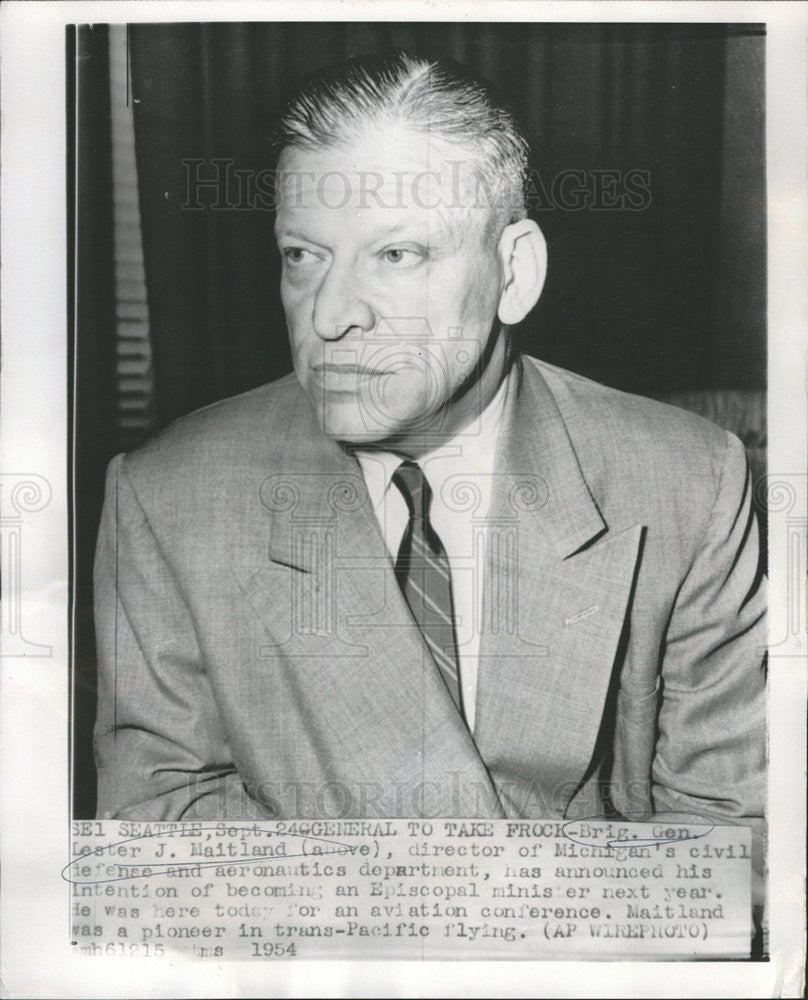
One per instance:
(670, 298)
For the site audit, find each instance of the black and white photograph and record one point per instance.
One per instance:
(432, 574)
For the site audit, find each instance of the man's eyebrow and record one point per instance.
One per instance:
(292, 234)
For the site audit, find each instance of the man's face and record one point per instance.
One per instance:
(390, 286)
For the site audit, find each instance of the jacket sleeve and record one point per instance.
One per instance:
(711, 748)
(710, 753)
(160, 749)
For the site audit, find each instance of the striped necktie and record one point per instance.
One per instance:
(422, 571)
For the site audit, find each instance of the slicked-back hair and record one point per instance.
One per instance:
(341, 104)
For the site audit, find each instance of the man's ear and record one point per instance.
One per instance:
(523, 251)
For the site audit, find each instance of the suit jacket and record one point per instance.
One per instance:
(257, 658)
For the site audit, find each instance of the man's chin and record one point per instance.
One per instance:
(353, 426)
(361, 427)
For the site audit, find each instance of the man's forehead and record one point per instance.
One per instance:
(409, 171)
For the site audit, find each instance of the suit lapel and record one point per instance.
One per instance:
(349, 639)
(557, 585)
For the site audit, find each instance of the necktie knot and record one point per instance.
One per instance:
(413, 485)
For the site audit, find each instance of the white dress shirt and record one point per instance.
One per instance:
(456, 514)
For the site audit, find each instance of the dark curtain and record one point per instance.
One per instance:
(632, 292)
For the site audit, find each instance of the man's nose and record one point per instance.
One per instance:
(341, 304)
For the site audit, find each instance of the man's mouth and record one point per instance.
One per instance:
(345, 369)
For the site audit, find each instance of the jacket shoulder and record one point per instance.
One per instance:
(229, 432)
(624, 418)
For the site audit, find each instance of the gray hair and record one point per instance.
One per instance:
(336, 106)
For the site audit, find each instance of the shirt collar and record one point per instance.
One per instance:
(472, 451)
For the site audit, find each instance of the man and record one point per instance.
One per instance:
(425, 575)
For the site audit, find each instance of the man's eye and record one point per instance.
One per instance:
(399, 255)
(296, 255)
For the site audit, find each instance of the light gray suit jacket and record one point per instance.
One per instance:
(256, 658)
